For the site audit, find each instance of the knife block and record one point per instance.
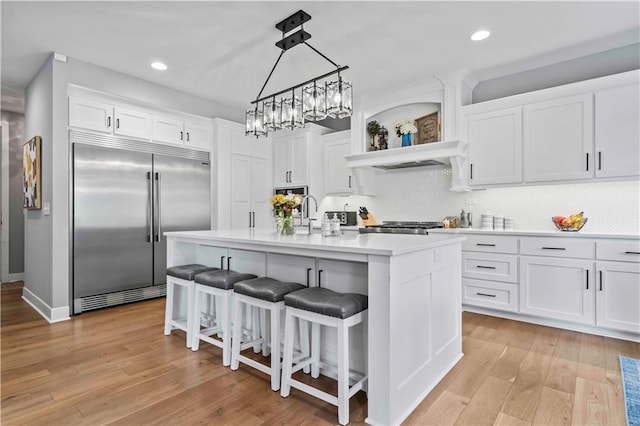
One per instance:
(369, 221)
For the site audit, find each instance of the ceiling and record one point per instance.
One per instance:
(225, 50)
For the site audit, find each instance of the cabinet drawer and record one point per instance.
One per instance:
(625, 251)
(488, 266)
(494, 295)
(557, 247)
(491, 243)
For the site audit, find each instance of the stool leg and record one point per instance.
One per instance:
(256, 329)
(189, 313)
(168, 310)
(195, 320)
(226, 328)
(343, 374)
(287, 355)
(217, 310)
(303, 327)
(237, 333)
(365, 346)
(315, 350)
(275, 347)
(264, 332)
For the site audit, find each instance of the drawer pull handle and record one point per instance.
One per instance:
(308, 273)
(553, 248)
(587, 279)
(485, 267)
(632, 252)
(485, 245)
(222, 262)
(600, 273)
(485, 294)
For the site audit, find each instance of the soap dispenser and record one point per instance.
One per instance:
(464, 220)
(335, 225)
(325, 226)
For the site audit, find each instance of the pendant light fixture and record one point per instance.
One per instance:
(311, 100)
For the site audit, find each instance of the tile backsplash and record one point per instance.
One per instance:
(423, 194)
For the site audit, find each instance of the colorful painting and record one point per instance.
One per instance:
(32, 184)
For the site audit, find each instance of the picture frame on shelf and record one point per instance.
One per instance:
(428, 129)
(31, 172)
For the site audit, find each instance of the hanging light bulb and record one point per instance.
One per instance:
(273, 114)
(314, 102)
(254, 122)
(339, 98)
(292, 117)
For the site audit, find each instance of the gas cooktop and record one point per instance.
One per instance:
(401, 227)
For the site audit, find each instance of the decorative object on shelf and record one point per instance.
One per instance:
(383, 137)
(31, 173)
(283, 209)
(573, 223)
(373, 127)
(405, 129)
(428, 128)
(312, 100)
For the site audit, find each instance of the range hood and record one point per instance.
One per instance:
(437, 153)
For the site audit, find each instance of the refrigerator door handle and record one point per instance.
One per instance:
(158, 209)
(149, 208)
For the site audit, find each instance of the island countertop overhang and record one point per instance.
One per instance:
(363, 244)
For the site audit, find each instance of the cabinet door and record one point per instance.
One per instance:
(495, 147)
(136, 124)
(197, 136)
(167, 130)
(261, 194)
(247, 262)
(299, 269)
(89, 114)
(558, 139)
(282, 157)
(618, 296)
(617, 113)
(299, 164)
(240, 192)
(342, 276)
(557, 288)
(337, 176)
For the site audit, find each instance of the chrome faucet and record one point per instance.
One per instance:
(304, 199)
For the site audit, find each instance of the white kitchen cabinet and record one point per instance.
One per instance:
(495, 147)
(618, 296)
(175, 131)
(299, 269)
(489, 294)
(250, 193)
(337, 176)
(558, 288)
(490, 266)
(290, 161)
(617, 131)
(558, 139)
(197, 136)
(132, 123)
(90, 114)
(245, 261)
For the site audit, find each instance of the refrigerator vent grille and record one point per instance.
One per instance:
(121, 297)
(109, 141)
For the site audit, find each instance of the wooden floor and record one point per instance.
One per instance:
(116, 366)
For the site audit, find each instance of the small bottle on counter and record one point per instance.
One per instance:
(464, 220)
(325, 226)
(335, 225)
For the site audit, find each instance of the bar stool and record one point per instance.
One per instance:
(263, 293)
(218, 284)
(322, 306)
(181, 275)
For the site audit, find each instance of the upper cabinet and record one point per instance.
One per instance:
(617, 131)
(122, 118)
(495, 146)
(337, 176)
(572, 133)
(558, 139)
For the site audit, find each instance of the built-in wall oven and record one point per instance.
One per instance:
(300, 190)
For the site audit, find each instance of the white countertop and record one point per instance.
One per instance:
(378, 244)
(532, 233)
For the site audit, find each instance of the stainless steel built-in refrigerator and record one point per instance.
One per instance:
(126, 194)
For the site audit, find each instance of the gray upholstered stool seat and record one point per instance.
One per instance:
(222, 279)
(188, 272)
(265, 288)
(327, 302)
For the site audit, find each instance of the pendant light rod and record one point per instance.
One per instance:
(340, 69)
(270, 74)
(321, 54)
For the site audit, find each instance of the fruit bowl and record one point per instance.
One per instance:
(570, 228)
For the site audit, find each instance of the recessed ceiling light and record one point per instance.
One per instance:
(158, 66)
(480, 35)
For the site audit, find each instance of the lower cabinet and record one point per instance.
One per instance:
(488, 294)
(558, 288)
(299, 269)
(618, 296)
(245, 261)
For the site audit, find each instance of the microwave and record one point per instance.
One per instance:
(300, 190)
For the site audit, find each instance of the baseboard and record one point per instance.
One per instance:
(16, 277)
(48, 313)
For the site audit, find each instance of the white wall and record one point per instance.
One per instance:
(423, 194)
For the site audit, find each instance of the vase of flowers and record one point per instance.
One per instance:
(404, 130)
(283, 208)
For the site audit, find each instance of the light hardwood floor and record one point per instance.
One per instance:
(116, 366)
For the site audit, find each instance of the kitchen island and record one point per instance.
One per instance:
(414, 288)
